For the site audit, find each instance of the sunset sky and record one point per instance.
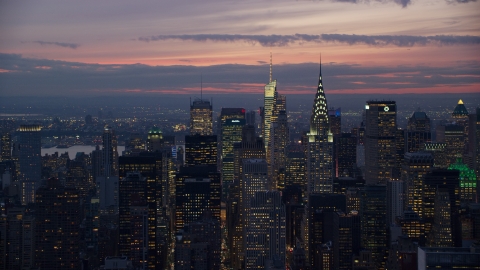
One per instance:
(72, 48)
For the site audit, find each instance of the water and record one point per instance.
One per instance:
(73, 150)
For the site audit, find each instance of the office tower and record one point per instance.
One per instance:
(415, 167)
(254, 178)
(348, 238)
(455, 142)
(412, 226)
(448, 258)
(109, 152)
(57, 223)
(345, 154)
(418, 132)
(133, 219)
(460, 117)
(295, 171)
(5, 146)
(399, 153)
(265, 232)
(201, 121)
(322, 225)
(231, 133)
(250, 118)
(439, 181)
(335, 120)
(154, 140)
(134, 145)
(251, 147)
(438, 151)
(197, 189)
(269, 101)
(380, 137)
(200, 150)
(79, 178)
(374, 235)
(320, 145)
(395, 196)
(144, 173)
(17, 228)
(468, 181)
(474, 141)
(198, 245)
(278, 144)
(29, 161)
(441, 233)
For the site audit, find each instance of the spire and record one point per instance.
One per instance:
(320, 109)
(201, 86)
(460, 102)
(270, 67)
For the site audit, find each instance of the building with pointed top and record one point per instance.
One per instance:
(320, 145)
(270, 95)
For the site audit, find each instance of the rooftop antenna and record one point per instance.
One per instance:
(320, 64)
(270, 66)
(201, 86)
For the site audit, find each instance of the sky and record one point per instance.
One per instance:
(84, 48)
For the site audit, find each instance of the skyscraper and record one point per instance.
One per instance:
(197, 190)
(107, 182)
(415, 167)
(380, 141)
(110, 152)
(320, 145)
(269, 101)
(265, 232)
(29, 161)
(418, 132)
(231, 133)
(201, 121)
(278, 144)
(154, 140)
(57, 227)
(335, 120)
(5, 146)
(200, 150)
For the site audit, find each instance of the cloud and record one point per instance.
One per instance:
(60, 44)
(30, 77)
(286, 40)
(459, 1)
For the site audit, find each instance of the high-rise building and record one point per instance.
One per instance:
(134, 145)
(380, 141)
(460, 117)
(265, 232)
(322, 226)
(374, 234)
(468, 181)
(57, 224)
(455, 142)
(418, 132)
(201, 121)
(142, 175)
(474, 141)
(251, 147)
(295, 170)
(445, 181)
(254, 178)
(395, 197)
(200, 150)
(412, 226)
(345, 154)
(29, 161)
(415, 167)
(18, 238)
(198, 245)
(231, 133)
(269, 101)
(5, 146)
(154, 140)
(197, 189)
(335, 120)
(320, 145)
(109, 152)
(133, 220)
(438, 151)
(278, 144)
(348, 238)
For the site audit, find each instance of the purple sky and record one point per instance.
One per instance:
(377, 46)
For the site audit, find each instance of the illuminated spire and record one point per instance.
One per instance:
(320, 109)
(270, 67)
(460, 102)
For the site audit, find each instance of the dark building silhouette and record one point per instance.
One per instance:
(200, 150)
(57, 214)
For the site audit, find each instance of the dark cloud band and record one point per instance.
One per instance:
(60, 44)
(285, 40)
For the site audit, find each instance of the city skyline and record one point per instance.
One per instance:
(368, 47)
